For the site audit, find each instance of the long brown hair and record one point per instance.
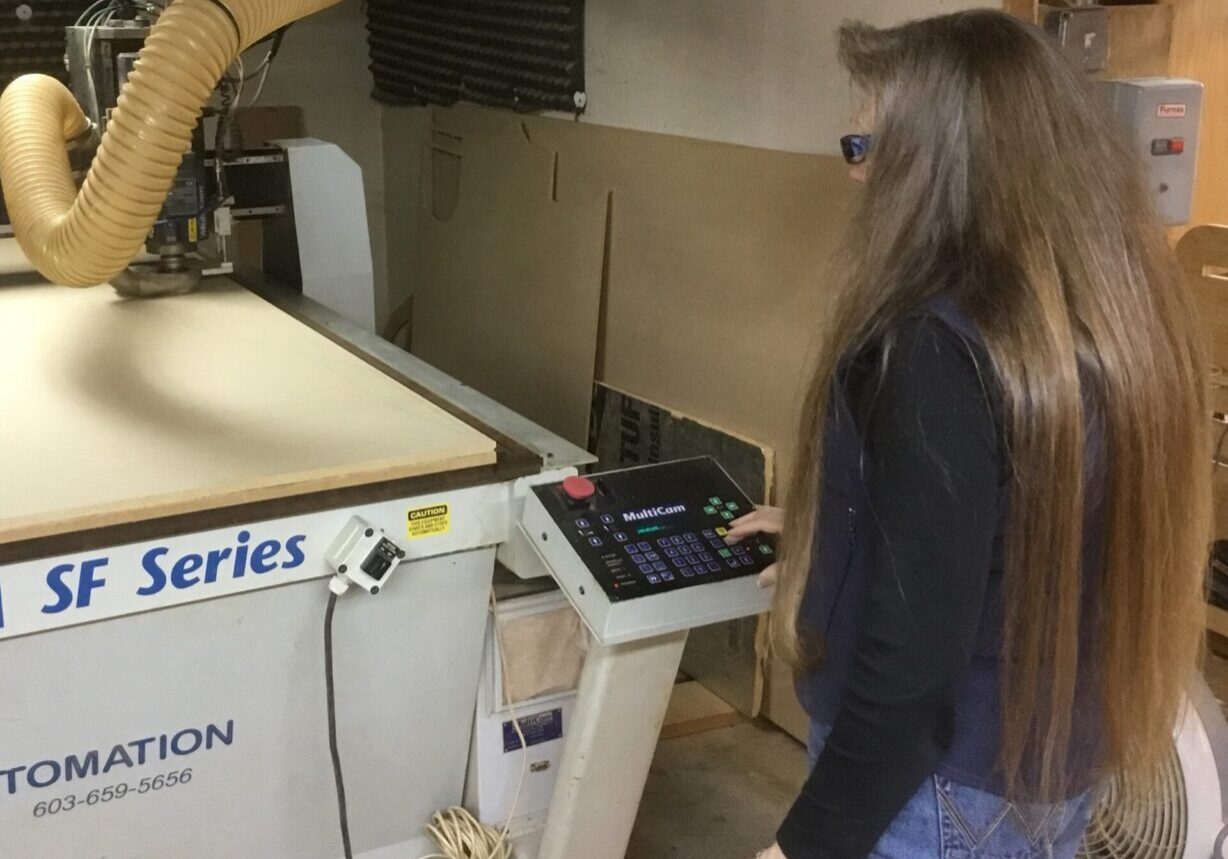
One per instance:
(999, 178)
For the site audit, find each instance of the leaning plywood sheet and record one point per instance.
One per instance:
(116, 411)
(508, 295)
(719, 266)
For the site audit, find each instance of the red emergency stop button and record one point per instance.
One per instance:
(578, 488)
(1176, 146)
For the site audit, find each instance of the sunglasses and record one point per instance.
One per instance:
(856, 147)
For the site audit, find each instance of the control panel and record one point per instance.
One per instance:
(1163, 115)
(642, 551)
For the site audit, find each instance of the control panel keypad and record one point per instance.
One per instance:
(650, 530)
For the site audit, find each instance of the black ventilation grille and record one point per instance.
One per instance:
(32, 36)
(518, 54)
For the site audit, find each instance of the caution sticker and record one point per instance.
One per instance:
(429, 521)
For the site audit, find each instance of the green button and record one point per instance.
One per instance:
(726, 515)
(765, 549)
(732, 506)
(724, 553)
(714, 501)
(711, 511)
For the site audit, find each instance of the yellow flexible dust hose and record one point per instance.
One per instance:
(87, 237)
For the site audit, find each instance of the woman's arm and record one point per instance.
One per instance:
(933, 474)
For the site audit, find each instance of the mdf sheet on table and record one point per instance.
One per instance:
(115, 410)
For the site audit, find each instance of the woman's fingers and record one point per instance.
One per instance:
(769, 576)
(762, 520)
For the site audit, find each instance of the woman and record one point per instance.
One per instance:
(991, 575)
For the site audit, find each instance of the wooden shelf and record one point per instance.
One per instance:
(1217, 621)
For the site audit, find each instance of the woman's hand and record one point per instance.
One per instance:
(763, 520)
(773, 852)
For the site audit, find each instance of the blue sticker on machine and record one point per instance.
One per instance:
(538, 728)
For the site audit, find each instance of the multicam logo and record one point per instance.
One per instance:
(653, 513)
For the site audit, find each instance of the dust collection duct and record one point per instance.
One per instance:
(86, 237)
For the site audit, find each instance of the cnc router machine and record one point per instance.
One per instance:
(185, 477)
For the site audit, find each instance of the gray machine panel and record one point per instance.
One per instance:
(250, 665)
(1163, 116)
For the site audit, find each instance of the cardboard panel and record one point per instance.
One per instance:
(509, 283)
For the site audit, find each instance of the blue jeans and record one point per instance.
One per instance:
(947, 820)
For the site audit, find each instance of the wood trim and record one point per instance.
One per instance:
(142, 530)
(1217, 621)
(1025, 9)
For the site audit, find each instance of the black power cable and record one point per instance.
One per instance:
(332, 725)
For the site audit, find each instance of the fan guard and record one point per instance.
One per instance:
(1126, 826)
(1185, 817)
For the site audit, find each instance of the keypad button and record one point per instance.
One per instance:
(717, 544)
(679, 562)
(594, 541)
(645, 547)
(667, 576)
(660, 567)
(687, 571)
(733, 563)
(714, 567)
(671, 552)
(653, 579)
(715, 502)
(665, 541)
(620, 536)
(677, 541)
(733, 507)
(739, 550)
(583, 523)
(631, 549)
(748, 561)
(766, 549)
(706, 557)
(710, 510)
(607, 519)
(709, 533)
(722, 531)
(700, 569)
(725, 553)
(638, 558)
(726, 515)
(652, 556)
(645, 568)
(691, 538)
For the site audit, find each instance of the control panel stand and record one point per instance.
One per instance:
(620, 708)
(641, 554)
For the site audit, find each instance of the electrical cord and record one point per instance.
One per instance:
(343, 817)
(456, 831)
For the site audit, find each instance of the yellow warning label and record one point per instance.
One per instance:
(191, 229)
(429, 521)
